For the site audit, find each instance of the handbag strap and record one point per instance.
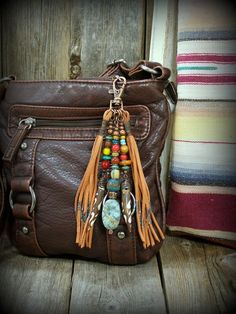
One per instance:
(144, 69)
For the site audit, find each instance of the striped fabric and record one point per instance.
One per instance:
(203, 168)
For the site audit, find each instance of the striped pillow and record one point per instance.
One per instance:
(203, 172)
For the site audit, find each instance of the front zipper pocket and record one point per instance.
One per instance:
(60, 123)
(71, 123)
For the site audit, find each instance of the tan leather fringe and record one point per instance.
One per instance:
(85, 195)
(146, 220)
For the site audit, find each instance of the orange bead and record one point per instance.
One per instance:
(125, 163)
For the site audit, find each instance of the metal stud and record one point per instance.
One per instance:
(121, 235)
(25, 230)
(24, 145)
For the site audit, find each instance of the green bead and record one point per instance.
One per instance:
(115, 174)
(115, 167)
(105, 157)
(125, 168)
(109, 137)
(115, 154)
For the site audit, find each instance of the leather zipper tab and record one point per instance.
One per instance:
(14, 145)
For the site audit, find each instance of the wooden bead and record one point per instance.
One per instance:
(125, 163)
(108, 144)
(110, 131)
(115, 132)
(122, 132)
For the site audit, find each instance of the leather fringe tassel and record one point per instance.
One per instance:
(148, 227)
(86, 192)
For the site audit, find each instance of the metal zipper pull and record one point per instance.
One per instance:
(23, 129)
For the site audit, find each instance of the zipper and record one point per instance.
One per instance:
(26, 124)
(23, 129)
(82, 122)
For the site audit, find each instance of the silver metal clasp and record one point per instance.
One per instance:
(118, 91)
(117, 61)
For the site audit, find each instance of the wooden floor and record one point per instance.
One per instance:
(186, 277)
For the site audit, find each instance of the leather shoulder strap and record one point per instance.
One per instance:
(143, 70)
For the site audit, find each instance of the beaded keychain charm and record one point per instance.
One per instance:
(114, 167)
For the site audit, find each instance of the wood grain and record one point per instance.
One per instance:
(34, 285)
(58, 39)
(197, 277)
(108, 30)
(35, 39)
(98, 288)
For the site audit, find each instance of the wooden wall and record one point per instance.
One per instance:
(60, 39)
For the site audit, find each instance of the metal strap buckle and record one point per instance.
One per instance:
(33, 199)
(147, 69)
(117, 61)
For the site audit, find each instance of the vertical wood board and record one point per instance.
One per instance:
(109, 30)
(98, 288)
(58, 39)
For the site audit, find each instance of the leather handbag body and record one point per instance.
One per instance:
(47, 130)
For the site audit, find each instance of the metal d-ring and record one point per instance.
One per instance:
(33, 199)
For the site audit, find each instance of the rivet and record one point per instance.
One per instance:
(23, 145)
(121, 235)
(25, 230)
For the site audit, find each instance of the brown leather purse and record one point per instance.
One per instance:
(66, 200)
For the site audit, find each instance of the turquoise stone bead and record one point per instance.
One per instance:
(109, 137)
(111, 214)
(125, 168)
(115, 141)
(122, 142)
(105, 157)
(113, 185)
(115, 167)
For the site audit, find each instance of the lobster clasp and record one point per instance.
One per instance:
(118, 92)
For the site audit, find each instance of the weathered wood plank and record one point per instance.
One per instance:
(35, 38)
(107, 30)
(58, 39)
(99, 288)
(198, 278)
(34, 285)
